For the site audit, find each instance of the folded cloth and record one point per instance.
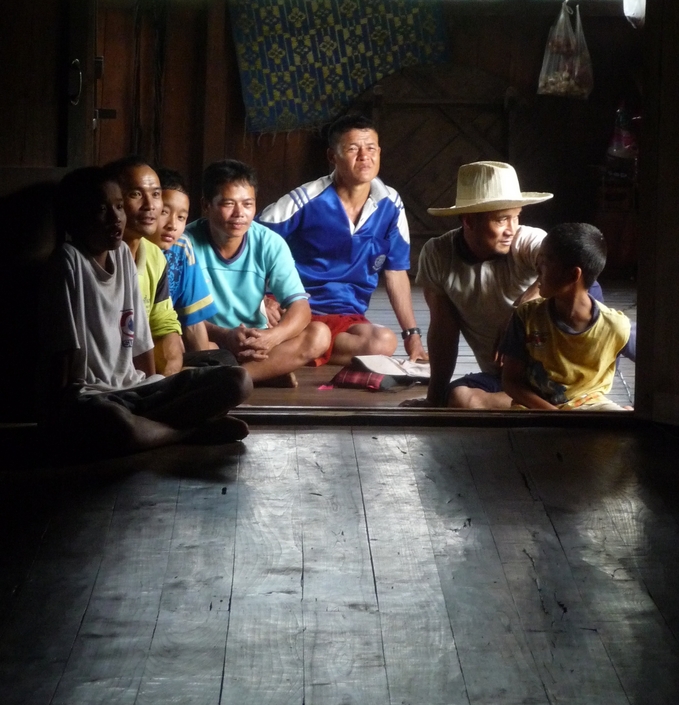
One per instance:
(357, 379)
(396, 367)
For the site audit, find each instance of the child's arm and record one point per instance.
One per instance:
(630, 349)
(515, 361)
(514, 384)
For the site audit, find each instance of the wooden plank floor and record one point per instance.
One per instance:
(384, 566)
(620, 295)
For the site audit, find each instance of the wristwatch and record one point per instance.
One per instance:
(410, 331)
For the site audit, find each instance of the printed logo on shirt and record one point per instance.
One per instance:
(127, 328)
(379, 262)
(536, 338)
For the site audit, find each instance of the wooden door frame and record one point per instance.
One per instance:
(657, 373)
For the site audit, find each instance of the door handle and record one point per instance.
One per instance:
(75, 69)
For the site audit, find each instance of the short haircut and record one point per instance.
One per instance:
(578, 245)
(115, 169)
(77, 193)
(345, 124)
(227, 171)
(171, 180)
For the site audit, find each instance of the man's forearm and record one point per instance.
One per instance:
(171, 354)
(219, 335)
(443, 339)
(442, 360)
(398, 291)
(397, 285)
(195, 337)
(295, 319)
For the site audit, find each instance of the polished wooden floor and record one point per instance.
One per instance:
(348, 565)
(618, 294)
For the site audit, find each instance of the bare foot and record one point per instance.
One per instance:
(422, 402)
(224, 429)
(286, 381)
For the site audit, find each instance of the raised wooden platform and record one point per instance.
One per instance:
(619, 295)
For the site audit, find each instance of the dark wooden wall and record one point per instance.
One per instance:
(171, 75)
(201, 110)
(555, 143)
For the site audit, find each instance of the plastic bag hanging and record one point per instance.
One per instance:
(635, 11)
(582, 62)
(566, 66)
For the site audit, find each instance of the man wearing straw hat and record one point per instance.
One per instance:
(473, 277)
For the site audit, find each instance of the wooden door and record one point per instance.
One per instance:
(47, 82)
(433, 119)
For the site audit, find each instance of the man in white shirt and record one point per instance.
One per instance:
(473, 277)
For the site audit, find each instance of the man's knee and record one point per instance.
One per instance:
(230, 383)
(383, 341)
(314, 340)
(462, 397)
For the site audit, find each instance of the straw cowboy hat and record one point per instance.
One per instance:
(488, 186)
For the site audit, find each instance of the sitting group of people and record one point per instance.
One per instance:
(156, 328)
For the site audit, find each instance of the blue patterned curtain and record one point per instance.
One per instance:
(302, 62)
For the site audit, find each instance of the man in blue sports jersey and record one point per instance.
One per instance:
(343, 230)
(241, 260)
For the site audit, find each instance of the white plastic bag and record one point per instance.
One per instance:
(566, 66)
(582, 62)
(635, 11)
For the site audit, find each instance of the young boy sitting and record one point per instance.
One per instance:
(560, 351)
(101, 396)
(189, 291)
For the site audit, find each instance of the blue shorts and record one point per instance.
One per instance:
(478, 380)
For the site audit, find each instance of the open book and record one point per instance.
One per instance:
(393, 366)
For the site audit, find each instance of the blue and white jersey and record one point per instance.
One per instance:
(339, 262)
(263, 262)
(189, 291)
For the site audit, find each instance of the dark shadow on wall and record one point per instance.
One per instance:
(29, 241)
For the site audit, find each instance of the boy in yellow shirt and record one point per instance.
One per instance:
(560, 351)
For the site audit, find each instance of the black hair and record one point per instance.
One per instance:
(578, 245)
(76, 195)
(345, 124)
(227, 171)
(171, 180)
(116, 168)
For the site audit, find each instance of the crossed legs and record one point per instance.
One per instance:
(190, 407)
(292, 354)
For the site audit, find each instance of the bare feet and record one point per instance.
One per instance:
(224, 429)
(286, 381)
(422, 402)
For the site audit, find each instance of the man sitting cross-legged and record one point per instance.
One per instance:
(343, 230)
(241, 260)
(101, 396)
(142, 198)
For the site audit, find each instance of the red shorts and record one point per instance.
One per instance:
(338, 323)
